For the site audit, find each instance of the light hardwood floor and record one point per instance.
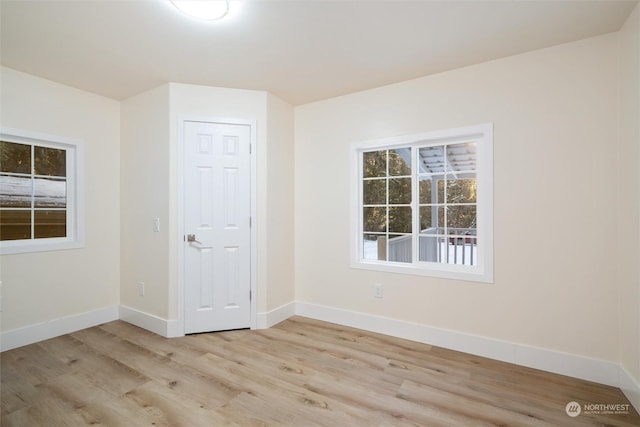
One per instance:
(299, 373)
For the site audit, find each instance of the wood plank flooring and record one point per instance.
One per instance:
(299, 373)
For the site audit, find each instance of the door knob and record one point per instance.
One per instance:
(191, 238)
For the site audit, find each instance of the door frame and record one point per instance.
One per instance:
(180, 201)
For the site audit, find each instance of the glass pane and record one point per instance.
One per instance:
(440, 184)
(374, 247)
(15, 191)
(400, 248)
(50, 161)
(400, 220)
(374, 164)
(431, 249)
(15, 225)
(461, 218)
(50, 193)
(461, 157)
(400, 191)
(15, 158)
(50, 224)
(424, 187)
(461, 190)
(374, 219)
(400, 161)
(432, 219)
(462, 251)
(374, 191)
(431, 159)
(427, 213)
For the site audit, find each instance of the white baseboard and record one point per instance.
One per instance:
(150, 322)
(275, 316)
(572, 365)
(630, 387)
(54, 328)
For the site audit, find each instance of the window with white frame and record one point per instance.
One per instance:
(424, 204)
(40, 198)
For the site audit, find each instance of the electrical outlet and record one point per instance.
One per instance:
(141, 289)
(377, 290)
(156, 224)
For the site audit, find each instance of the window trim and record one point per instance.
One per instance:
(483, 271)
(75, 193)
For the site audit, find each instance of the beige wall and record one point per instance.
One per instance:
(217, 103)
(45, 286)
(280, 206)
(555, 118)
(150, 137)
(628, 186)
(145, 184)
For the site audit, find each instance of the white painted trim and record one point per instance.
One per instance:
(54, 328)
(150, 322)
(275, 316)
(630, 387)
(573, 365)
(75, 194)
(483, 271)
(178, 328)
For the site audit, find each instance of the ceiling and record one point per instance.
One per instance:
(299, 50)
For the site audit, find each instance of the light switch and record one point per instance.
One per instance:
(156, 224)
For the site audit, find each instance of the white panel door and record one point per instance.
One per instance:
(217, 210)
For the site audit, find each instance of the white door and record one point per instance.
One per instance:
(217, 206)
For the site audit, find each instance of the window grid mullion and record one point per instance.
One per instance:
(33, 192)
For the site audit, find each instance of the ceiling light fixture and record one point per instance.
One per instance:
(207, 10)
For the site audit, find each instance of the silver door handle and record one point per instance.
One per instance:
(191, 238)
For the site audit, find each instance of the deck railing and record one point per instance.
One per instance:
(456, 247)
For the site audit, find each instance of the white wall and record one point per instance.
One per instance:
(150, 138)
(47, 286)
(280, 204)
(144, 254)
(213, 102)
(555, 118)
(628, 208)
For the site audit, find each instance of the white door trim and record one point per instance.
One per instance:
(180, 194)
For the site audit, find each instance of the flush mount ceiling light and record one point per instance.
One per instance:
(207, 10)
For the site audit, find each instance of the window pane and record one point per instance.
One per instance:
(15, 158)
(431, 249)
(400, 220)
(461, 190)
(400, 161)
(374, 164)
(374, 246)
(50, 224)
(461, 157)
(400, 191)
(432, 219)
(50, 161)
(374, 219)
(50, 193)
(374, 191)
(15, 191)
(424, 188)
(431, 159)
(461, 217)
(400, 248)
(15, 225)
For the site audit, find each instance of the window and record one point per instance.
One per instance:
(424, 204)
(39, 193)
